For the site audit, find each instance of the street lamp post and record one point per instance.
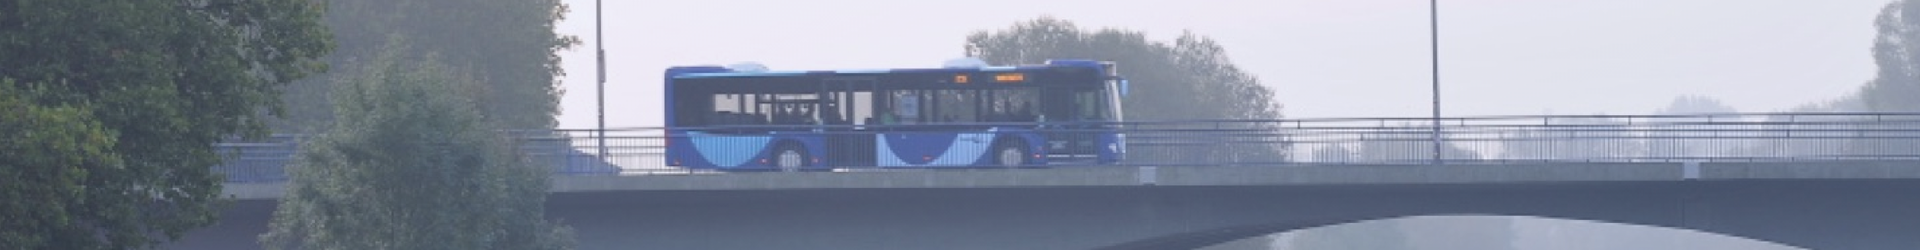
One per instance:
(1433, 8)
(600, 68)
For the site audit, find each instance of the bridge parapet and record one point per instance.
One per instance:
(1362, 144)
(1850, 170)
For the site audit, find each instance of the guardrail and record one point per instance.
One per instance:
(1464, 140)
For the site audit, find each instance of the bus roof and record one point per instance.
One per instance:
(692, 72)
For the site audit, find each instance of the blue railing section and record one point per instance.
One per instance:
(1334, 141)
(266, 160)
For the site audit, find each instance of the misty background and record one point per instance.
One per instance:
(1323, 58)
(1364, 58)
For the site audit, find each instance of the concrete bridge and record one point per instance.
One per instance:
(1815, 205)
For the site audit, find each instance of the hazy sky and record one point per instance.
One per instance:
(1324, 58)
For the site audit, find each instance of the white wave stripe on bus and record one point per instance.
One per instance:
(965, 150)
(728, 151)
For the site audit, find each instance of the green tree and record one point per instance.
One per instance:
(45, 160)
(163, 81)
(1894, 89)
(1190, 79)
(1897, 51)
(412, 167)
(510, 46)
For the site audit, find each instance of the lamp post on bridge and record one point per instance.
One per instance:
(1433, 13)
(600, 83)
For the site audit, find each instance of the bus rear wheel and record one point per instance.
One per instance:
(1011, 154)
(789, 158)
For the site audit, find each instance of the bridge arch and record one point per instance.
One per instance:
(1087, 208)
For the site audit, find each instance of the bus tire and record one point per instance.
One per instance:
(789, 157)
(1010, 154)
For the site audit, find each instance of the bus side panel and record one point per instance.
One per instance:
(700, 150)
(931, 149)
(679, 154)
(850, 150)
(719, 151)
(761, 158)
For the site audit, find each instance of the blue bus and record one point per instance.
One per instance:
(747, 118)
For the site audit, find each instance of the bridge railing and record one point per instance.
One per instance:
(1709, 137)
(1478, 140)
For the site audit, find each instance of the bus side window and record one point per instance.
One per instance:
(830, 114)
(1026, 113)
(906, 109)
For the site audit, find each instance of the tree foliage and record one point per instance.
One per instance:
(47, 155)
(510, 46)
(411, 167)
(128, 98)
(1895, 87)
(1190, 79)
(1897, 51)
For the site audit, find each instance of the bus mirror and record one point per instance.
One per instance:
(1123, 87)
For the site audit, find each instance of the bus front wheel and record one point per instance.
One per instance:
(789, 158)
(1010, 155)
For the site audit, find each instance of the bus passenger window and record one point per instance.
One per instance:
(830, 114)
(906, 108)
